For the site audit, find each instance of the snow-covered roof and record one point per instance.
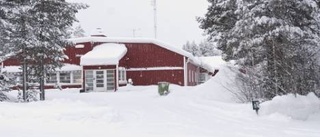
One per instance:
(212, 63)
(7, 56)
(11, 69)
(69, 67)
(65, 67)
(135, 40)
(98, 32)
(104, 54)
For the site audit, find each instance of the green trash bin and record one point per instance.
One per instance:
(163, 88)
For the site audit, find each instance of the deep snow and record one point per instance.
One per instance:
(204, 111)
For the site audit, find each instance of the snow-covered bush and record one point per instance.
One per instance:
(296, 107)
(4, 86)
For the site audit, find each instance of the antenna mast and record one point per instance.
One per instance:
(155, 18)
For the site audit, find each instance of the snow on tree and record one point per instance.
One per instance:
(78, 32)
(5, 84)
(274, 41)
(39, 33)
(193, 48)
(207, 48)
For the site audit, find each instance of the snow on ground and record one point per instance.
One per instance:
(203, 111)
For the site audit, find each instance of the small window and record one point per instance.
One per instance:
(202, 77)
(122, 76)
(192, 76)
(77, 76)
(65, 77)
(189, 76)
(51, 78)
(110, 80)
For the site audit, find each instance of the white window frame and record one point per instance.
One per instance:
(65, 72)
(122, 75)
(189, 77)
(74, 81)
(71, 76)
(46, 80)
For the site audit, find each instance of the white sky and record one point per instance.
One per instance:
(118, 18)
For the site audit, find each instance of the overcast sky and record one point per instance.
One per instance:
(121, 18)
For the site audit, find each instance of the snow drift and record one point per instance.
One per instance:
(298, 108)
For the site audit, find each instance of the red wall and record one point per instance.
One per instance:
(153, 77)
(141, 55)
(74, 53)
(11, 62)
(146, 55)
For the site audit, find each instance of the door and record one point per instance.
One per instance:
(95, 80)
(99, 83)
(100, 80)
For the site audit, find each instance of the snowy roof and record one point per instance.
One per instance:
(11, 69)
(135, 40)
(7, 56)
(98, 32)
(104, 54)
(69, 67)
(212, 62)
(65, 67)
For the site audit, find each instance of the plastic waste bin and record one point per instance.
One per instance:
(163, 88)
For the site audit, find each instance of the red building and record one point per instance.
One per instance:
(99, 63)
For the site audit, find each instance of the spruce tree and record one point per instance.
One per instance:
(192, 48)
(78, 32)
(207, 48)
(52, 21)
(39, 33)
(275, 41)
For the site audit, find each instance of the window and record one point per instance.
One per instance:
(77, 76)
(51, 78)
(89, 80)
(65, 77)
(110, 80)
(197, 77)
(192, 76)
(16, 77)
(122, 76)
(202, 77)
(189, 76)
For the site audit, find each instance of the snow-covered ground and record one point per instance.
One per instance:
(207, 110)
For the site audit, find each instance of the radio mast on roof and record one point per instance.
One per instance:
(155, 18)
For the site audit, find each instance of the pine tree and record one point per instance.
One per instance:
(193, 48)
(78, 32)
(52, 20)
(218, 22)
(207, 48)
(274, 41)
(5, 26)
(39, 33)
(5, 84)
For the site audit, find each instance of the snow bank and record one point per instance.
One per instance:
(218, 87)
(298, 108)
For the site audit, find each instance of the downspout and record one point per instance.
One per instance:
(82, 79)
(185, 70)
(117, 77)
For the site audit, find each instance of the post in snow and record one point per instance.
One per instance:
(256, 106)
